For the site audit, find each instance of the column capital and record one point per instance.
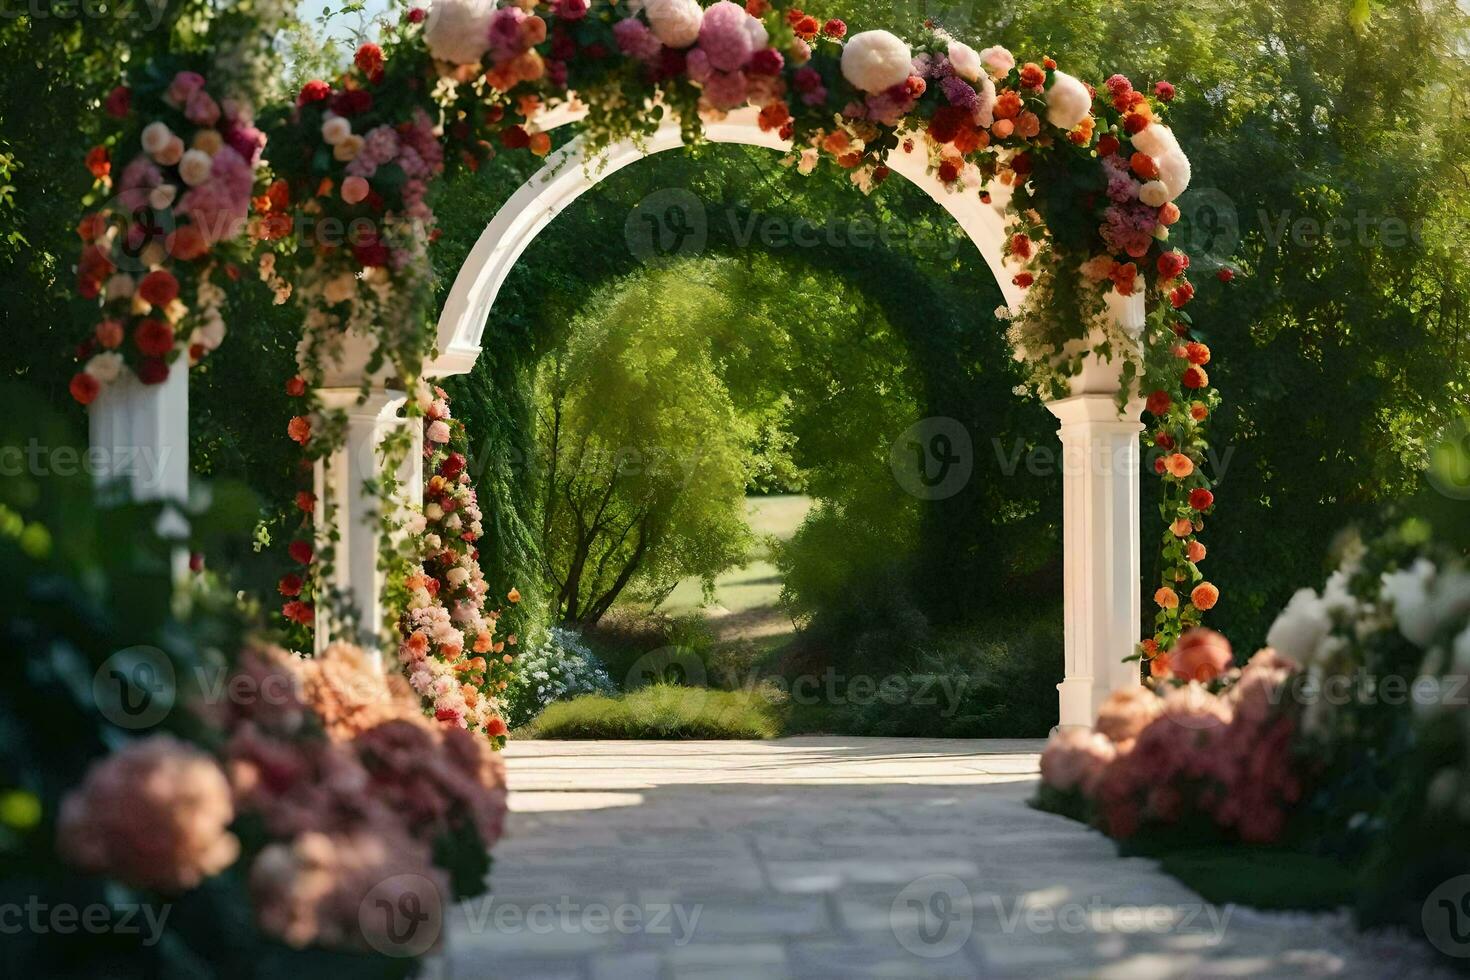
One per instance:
(1099, 409)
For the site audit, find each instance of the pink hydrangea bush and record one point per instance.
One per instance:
(1218, 747)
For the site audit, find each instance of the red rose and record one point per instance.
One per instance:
(1197, 352)
(289, 585)
(352, 102)
(152, 371)
(296, 387)
(766, 61)
(154, 338)
(305, 501)
(299, 612)
(1143, 165)
(1021, 246)
(313, 91)
(1225, 274)
(1164, 441)
(1201, 499)
(1023, 279)
(1107, 145)
(807, 27)
(417, 15)
(300, 551)
(1181, 295)
(515, 138)
(84, 388)
(371, 254)
(1134, 123)
(1160, 466)
(1195, 377)
(1022, 164)
(1164, 91)
(1032, 75)
(369, 60)
(495, 727)
(1123, 275)
(1158, 402)
(159, 287)
(186, 243)
(835, 28)
(453, 466)
(949, 171)
(299, 429)
(99, 165)
(1172, 263)
(119, 102)
(947, 122)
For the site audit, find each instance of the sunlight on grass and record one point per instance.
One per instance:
(661, 711)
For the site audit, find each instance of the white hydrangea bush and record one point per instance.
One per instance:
(557, 666)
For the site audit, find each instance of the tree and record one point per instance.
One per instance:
(642, 457)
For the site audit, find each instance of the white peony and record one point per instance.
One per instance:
(1300, 628)
(335, 129)
(966, 61)
(1155, 139)
(875, 61)
(458, 31)
(105, 367)
(997, 60)
(759, 36)
(1407, 591)
(194, 167)
(1067, 101)
(985, 109)
(674, 22)
(1174, 171)
(155, 136)
(161, 198)
(1154, 194)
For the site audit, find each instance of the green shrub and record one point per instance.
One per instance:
(663, 711)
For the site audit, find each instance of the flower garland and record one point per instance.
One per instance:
(153, 254)
(449, 651)
(1092, 176)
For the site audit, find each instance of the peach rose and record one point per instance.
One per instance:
(1075, 759)
(1201, 655)
(1195, 552)
(1182, 527)
(1126, 713)
(1167, 598)
(1179, 465)
(1204, 596)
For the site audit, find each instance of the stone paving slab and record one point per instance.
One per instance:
(846, 858)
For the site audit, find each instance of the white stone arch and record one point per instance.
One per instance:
(1100, 451)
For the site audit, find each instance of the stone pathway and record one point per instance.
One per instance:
(843, 858)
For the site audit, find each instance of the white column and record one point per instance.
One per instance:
(341, 478)
(139, 439)
(1100, 548)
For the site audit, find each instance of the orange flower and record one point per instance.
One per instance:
(417, 644)
(1002, 128)
(540, 144)
(1204, 596)
(1201, 655)
(836, 143)
(1197, 352)
(1199, 411)
(1143, 165)
(1032, 75)
(1195, 552)
(1167, 598)
(1182, 527)
(98, 162)
(1195, 377)
(1008, 105)
(1179, 465)
(483, 642)
(1028, 125)
(514, 595)
(1160, 667)
(299, 429)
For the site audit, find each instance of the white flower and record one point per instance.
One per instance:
(1407, 591)
(335, 129)
(807, 162)
(161, 198)
(1155, 139)
(105, 367)
(212, 334)
(340, 289)
(415, 524)
(155, 137)
(759, 36)
(194, 167)
(1067, 101)
(674, 22)
(1174, 171)
(966, 61)
(998, 60)
(457, 576)
(1154, 194)
(458, 31)
(438, 432)
(874, 61)
(433, 511)
(1300, 628)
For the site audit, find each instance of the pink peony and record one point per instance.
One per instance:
(636, 40)
(1075, 759)
(1126, 712)
(1200, 655)
(155, 814)
(184, 85)
(724, 37)
(220, 206)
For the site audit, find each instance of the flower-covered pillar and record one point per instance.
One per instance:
(139, 438)
(1100, 529)
(349, 513)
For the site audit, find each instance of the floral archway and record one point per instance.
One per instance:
(328, 201)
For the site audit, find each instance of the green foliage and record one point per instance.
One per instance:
(663, 711)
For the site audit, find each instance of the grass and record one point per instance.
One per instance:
(662, 711)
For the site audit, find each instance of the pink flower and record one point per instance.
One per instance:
(1126, 713)
(1075, 758)
(184, 84)
(726, 90)
(355, 190)
(155, 814)
(438, 431)
(1200, 655)
(636, 40)
(724, 37)
(201, 109)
